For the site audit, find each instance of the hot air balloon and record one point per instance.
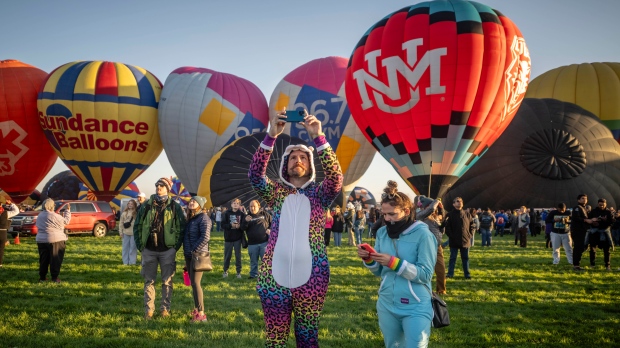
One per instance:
(25, 155)
(64, 185)
(179, 193)
(551, 152)
(360, 195)
(101, 118)
(318, 86)
(130, 191)
(433, 85)
(226, 176)
(202, 111)
(593, 86)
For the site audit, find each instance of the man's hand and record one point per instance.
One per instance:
(277, 123)
(312, 125)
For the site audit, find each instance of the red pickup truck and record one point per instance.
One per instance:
(94, 217)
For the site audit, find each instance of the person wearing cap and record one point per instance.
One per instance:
(599, 234)
(427, 211)
(196, 239)
(7, 211)
(158, 232)
(141, 198)
(294, 273)
(51, 238)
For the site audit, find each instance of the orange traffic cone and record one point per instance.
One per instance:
(16, 241)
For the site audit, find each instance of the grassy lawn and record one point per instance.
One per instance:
(516, 298)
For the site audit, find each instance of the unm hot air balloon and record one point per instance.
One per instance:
(226, 175)
(25, 155)
(318, 86)
(179, 193)
(433, 85)
(593, 86)
(131, 191)
(551, 152)
(101, 118)
(203, 110)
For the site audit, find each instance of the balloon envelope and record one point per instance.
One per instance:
(551, 152)
(101, 118)
(64, 185)
(364, 197)
(437, 82)
(179, 193)
(226, 176)
(25, 155)
(203, 110)
(130, 191)
(593, 86)
(318, 86)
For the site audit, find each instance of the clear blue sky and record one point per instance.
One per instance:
(264, 40)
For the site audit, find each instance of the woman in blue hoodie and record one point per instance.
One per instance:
(406, 252)
(197, 236)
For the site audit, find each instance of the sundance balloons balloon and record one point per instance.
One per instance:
(101, 118)
(226, 176)
(25, 155)
(202, 111)
(593, 86)
(131, 191)
(318, 86)
(434, 85)
(551, 152)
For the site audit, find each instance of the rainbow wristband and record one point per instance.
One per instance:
(395, 263)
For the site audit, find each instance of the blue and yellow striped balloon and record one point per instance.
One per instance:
(101, 118)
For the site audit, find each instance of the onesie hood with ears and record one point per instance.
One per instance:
(284, 164)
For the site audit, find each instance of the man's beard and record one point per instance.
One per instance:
(293, 173)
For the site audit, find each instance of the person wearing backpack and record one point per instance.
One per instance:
(500, 223)
(487, 220)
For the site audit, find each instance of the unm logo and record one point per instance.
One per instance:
(11, 147)
(412, 71)
(516, 76)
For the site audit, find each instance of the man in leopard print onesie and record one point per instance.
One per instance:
(294, 273)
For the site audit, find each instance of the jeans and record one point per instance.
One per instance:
(348, 230)
(558, 240)
(486, 236)
(337, 238)
(499, 230)
(228, 249)
(358, 234)
(129, 252)
(167, 263)
(464, 260)
(256, 252)
(218, 225)
(196, 278)
(51, 255)
(616, 236)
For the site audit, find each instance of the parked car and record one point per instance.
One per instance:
(94, 217)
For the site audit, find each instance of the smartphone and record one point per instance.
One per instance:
(368, 248)
(295, 115)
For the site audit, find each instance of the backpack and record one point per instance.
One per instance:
(500, 220)
(486, 220)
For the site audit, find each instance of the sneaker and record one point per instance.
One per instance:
(577, 268)
(238, 275)
(194, 312)
(608, 268)
(148, 315)
(57, 281)
(198, 318)
(225, 275)
(42, 280)
(164, 314)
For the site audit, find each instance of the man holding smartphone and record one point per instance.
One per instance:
(294, 273)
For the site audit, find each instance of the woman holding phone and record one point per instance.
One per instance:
(405, 256)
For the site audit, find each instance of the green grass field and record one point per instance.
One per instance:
(516, 298)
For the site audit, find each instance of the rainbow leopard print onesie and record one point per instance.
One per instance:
(294, 274)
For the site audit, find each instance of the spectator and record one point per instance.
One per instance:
(359, 224)
(158, 234)
(218, 219)
(599, 235)
(196, 239)
(487, 220)
(459, 229)
(125, 229)
(256, 226)
(560, 221)
(51, 239)
(232, 236)
(7, 211)
(338, 226)
(349, 216)
(500, 223)
(580, 223)
(523, 223)
(404, 259)
(141, 199)
(427, 212)
(329, 222)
